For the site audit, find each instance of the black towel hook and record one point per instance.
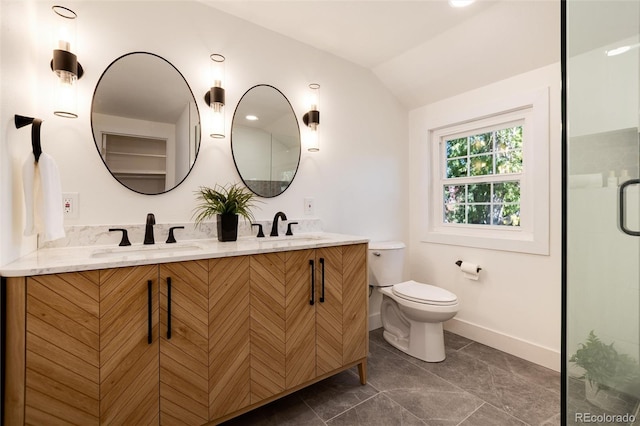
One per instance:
(21, 121)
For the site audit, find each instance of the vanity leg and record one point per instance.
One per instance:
(362, 372)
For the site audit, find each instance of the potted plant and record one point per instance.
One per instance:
(609, 376)
(226, 203)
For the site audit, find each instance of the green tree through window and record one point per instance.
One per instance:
(482, 178)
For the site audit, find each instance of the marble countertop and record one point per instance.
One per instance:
(74, 259)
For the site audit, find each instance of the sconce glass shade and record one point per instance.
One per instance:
(312, 119)
(65, 63)
(215, 97)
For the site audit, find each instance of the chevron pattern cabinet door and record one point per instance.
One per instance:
(129, 365)
(354, 303)
(62, 349)
(329, 312)
(267, 299)
(300, 317)
(184, 354)
(229, 334)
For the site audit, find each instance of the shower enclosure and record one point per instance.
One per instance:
(601, 275)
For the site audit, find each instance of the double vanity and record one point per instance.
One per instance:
(195, 332)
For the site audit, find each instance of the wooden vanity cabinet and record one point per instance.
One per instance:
(229, 335)
(62, 357)
(267, 339)
(268, 332)
(129, 346)
(98, 349)
(182, 343)
(154, 344)
(326, 315)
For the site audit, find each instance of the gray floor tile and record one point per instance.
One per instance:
(376, 411)
(287, 411)
(474, 386)
(504, 390)
(534, 373)
(488, 415)
(336, 394)
(455, 342)
(436, 407)
(553, 421)
(388, 371)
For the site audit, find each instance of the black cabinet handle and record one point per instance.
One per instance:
(150, 312)
(168, 307)
(322, 289)
(622, 207)
(313, 282)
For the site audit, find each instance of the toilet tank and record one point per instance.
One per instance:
(386, 263)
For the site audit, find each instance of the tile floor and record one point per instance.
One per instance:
(475, 386)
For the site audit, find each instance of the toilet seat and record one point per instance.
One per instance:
(424, 293)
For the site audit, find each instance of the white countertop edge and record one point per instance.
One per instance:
(76, 259)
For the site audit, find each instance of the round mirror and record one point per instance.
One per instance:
(265, 141)
(146, 123)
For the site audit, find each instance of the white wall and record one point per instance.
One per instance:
(516, 304)
(361, 180)
(603, 90)
(358, 179)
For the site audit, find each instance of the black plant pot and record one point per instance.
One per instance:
(227, 227)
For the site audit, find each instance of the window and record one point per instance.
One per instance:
(489, 178)
(481, 182)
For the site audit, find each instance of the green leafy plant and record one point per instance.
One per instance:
(224, 200)
(604, 367)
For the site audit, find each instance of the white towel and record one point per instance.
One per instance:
(42, 197)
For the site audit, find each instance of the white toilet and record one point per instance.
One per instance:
(412, 313)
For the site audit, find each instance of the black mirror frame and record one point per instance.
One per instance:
(195, 103)
(299, 137)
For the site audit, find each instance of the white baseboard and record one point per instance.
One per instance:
(374, 321)
(540, 355)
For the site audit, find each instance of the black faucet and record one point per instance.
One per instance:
(148, 233)
(274, 228)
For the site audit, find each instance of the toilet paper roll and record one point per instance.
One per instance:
(470, 271)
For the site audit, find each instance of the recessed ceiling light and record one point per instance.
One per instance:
(460, 3)
(251, 117)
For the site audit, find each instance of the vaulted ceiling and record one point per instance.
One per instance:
(421, 50)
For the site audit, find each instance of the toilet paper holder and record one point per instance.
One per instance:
(459, 263)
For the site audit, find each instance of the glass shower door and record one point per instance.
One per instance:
(602, 214)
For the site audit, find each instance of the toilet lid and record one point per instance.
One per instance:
(424, 293)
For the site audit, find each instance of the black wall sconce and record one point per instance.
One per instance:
(312, 119)
(215, 96)
(65, 63)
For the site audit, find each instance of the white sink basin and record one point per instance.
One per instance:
(144, 250)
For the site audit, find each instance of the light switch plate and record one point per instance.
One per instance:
(309, 206)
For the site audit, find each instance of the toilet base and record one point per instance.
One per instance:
(414, 328)
(425, 341)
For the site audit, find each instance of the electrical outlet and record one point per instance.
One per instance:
(70, 205)
(309, 206)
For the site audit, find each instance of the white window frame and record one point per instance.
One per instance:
(532, 236)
